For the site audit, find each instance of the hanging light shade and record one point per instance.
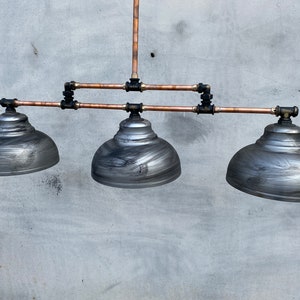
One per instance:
(22, 148)
(135, 157)
(270, 168)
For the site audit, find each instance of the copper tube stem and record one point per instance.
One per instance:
(246, 110)
(135, 39)
(112, 86)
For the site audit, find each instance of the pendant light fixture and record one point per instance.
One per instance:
(270, 168)
(22, 148)
(136, 157)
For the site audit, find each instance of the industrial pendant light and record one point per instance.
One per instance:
(270, 168)
(22, 148)
(135, 157)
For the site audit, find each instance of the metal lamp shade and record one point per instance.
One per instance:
(270, 168)
(22, 148)
(135, 157)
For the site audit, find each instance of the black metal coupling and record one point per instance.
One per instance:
(206, 96)
(133, 85)
(205, 109)
(285, 113)
(203, 88)
(68, 93)
(10, 104)
(134, 108)
(70, 86)
(69, 105)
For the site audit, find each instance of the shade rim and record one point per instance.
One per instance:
(136, 185)
(267, 196)
(28, 171)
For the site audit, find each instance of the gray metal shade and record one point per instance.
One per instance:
(22, 148)
(135, 157)
(270, 168)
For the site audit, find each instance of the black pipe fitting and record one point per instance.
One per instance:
(8, 102)
(70, 86)
(203, 88)
(286, 113)
(205, 109)
(206, 97)
(68, 105)
(134, 85)
(134, 107)
(68, 93)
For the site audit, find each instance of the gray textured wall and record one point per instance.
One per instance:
(63, 236)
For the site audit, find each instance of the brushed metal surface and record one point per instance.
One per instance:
(135, 158)
(270, 168)
(22, 148)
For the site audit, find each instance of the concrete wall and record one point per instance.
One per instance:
(63, 236)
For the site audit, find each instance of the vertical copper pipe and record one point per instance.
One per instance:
(135, 39)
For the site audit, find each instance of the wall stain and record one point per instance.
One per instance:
(181, 27)
(110, 287)
(35, 50)
(54, 182)
(188, 130)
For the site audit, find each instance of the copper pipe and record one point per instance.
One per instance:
(135, 39)
(217, 109)
(170, 108)
(144, 87)
(109, 106)
(169, 87)
(101, 106)
(77, 105)
(112, 86)
(36, 103)
(246, 110)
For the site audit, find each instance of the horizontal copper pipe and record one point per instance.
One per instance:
(111, 86)
(36, 103)
(245, 110)
(170, 108)
(169, 87)
(217, 109)
(108, 106)
(144, 87)
(101, 106)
